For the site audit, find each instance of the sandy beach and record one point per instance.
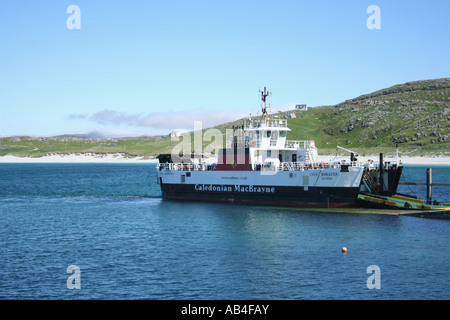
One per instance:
(78, 158)
(120, 158)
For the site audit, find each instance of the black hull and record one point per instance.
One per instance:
(324, 197)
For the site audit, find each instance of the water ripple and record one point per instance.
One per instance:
(130, 244)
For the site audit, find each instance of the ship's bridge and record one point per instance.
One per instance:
(267, 141)
(267, 133)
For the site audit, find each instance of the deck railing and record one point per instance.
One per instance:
(186, 166)
(258, 123)
(283, 166)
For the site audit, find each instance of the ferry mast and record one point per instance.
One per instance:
(264, 95)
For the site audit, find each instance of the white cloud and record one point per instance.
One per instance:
(164, 120)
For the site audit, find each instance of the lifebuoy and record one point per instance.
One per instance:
(253, 143)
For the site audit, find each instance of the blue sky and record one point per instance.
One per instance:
(148, 67)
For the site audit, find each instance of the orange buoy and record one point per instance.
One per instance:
(344, 250)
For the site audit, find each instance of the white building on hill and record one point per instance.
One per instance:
(301, 107)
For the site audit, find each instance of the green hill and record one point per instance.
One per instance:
(416, 115)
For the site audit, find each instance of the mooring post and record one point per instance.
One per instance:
(381, 173)
(429, 182)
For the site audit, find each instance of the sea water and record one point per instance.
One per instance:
(108, 221)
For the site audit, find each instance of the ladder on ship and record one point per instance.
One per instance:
(308, 156)
(368, 182)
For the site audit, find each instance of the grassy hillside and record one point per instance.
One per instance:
(38, 147)
(416, 115)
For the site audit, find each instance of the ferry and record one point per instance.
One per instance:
(261, 167)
